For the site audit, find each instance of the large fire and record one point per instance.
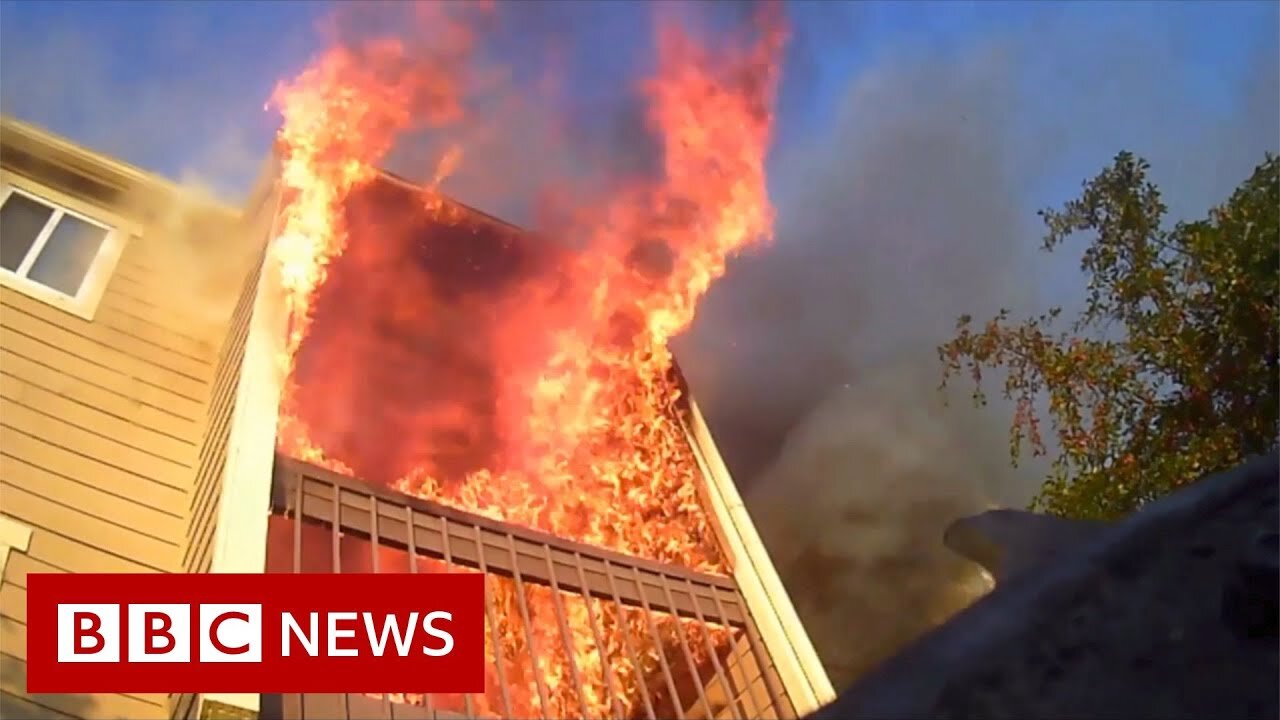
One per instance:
(554, 406)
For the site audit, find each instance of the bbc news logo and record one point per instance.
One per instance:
(161, 633)
(91, 633)
(256, 633)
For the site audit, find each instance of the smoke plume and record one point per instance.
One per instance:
(816, 357)
(829, 373)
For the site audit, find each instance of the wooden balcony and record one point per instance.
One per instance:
(325, 522)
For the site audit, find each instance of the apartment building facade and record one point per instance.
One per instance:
(104, 383)
(138, 414)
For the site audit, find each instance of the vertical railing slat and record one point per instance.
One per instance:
(668, 604)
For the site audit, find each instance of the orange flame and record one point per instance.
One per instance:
(591, 445)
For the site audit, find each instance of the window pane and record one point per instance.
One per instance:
(21, 220)
(66, 258)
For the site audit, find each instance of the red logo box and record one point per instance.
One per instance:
(279, 633)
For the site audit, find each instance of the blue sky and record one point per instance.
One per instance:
(234, 51)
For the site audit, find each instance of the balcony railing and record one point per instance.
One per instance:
(697, 650)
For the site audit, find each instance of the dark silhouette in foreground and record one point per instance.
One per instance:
(1169, 613)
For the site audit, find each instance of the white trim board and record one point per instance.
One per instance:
(803, 677)
(240, 532)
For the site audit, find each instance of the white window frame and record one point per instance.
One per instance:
(84, 303)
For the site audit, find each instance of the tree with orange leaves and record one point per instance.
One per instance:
(1171, 369)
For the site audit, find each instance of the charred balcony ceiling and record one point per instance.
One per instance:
(404, 328)
(402, 333)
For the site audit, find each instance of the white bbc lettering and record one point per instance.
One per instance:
(392, 631)
(433, 632)
(335, 633)
(159, 633)
(231, 633)
(88, 632)
(310, 640)
(390, 626)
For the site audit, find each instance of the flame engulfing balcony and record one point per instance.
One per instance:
(626, 582)
(691, 636)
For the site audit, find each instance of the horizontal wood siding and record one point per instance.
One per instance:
(206, 497)
(14, 700)
(101, 424)
(101, 427)
(213, 449)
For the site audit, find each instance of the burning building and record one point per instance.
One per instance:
(639, 591)
(405, 384)
(625, 580)
(503, 401)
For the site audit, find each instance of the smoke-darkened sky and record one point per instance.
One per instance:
(915, 142)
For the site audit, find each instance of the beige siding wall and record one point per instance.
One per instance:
(198, 555)
(101, 424)
(212, 462)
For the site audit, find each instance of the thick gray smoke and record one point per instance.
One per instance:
(826, 397)
(816, 358)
